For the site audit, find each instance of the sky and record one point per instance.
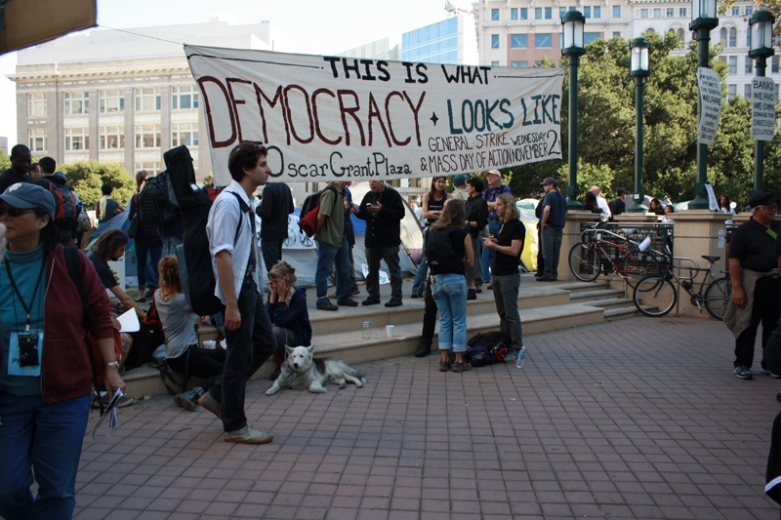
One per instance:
(303, 26)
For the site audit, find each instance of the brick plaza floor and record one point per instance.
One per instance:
(640, 418)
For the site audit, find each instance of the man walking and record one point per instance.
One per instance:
(753, 264)
(235, 259)
(275, 207)
(382, 209)
(553, 216)
(617, 205)
(332, 247)
(495, 188)
(21, 159)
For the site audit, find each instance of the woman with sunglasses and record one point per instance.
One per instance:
(45, 374)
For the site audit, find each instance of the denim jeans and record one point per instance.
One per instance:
(449, 292)
(488, 256)
(326, 255)
(47, 437)
(391, 256)
(506, 297)
(249, 347)
(169, 245)
(207, 364)
(551, 246)
(419, 285)
(151, 251)
(271, 248)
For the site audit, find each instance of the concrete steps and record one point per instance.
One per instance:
(543, 307)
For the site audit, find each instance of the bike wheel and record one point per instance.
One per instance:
(635, 267)
(584, 262)
(717, 297)
(655, 296)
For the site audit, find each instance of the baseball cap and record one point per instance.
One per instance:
(460, 179)
(24, 195)
(762, 199)
(493, 172)
(548, 180)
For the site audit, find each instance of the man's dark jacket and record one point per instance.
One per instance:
(383, 230)
(277, 204)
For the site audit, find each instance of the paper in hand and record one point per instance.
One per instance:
(129, 321)
(111, 413)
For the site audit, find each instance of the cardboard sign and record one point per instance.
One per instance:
(710, 100)
(326, 118)
(763, 108)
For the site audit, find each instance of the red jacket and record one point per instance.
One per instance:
(65, 369)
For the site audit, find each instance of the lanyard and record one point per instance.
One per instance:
(28, 309)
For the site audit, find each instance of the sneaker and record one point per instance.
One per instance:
(393, 303)
(349, 302)
(104, 400)
(478, 289)
(511, 356)
(326, 305)
(189, 399)
(414, 295)
(444, 366)
(470, 295)
(248, 436)
(769, 373)
(211, 404)
(370, 301)
(461, 366)
(743, 373)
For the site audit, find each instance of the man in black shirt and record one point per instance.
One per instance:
(617, 205)
(20, 166)
(755, 283)
(276, 205)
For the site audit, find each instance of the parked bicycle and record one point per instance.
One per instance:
(602, 250)
(656, 295)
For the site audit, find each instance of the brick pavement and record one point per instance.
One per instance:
(632, 419)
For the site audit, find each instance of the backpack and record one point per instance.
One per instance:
(156, 205)
(66, 207)
(439, 251)
(195, 262)
(307, 220)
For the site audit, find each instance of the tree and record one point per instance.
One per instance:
(87, 177)
(5, 161)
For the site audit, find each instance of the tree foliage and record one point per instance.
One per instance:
(87, 177)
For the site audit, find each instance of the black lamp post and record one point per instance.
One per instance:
(572, 26)
(638, 69)
(704, 19)
(761, 27)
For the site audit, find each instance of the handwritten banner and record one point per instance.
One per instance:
(710, 103)
(763, 108)
(331, 118)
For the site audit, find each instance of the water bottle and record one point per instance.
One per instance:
(521, 358)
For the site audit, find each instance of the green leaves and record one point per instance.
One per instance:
(87, 177)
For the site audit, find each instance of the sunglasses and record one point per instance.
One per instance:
(772, 207)
(14, 212)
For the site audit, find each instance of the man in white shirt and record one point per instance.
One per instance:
(601, 202)
(237, 271)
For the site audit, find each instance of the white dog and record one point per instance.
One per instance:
(302, 371)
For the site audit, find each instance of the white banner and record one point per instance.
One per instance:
(332, 118)
(710, 101)
(763, 108)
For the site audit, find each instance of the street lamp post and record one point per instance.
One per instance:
(638, 69)
(572, 26)
(704, 19)
(761, 27)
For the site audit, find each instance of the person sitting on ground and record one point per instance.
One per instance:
(181, 336)
(590, 203)
(287, 310)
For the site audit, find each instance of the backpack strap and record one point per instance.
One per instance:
(243, 209)
(90, 320)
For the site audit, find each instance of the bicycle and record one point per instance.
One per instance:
(586, 259)
(655, 295)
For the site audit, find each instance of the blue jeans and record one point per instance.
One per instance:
(449, 293)
(551, 246)
(169, 245)
(489, 255)
(47, 437)
(506, 298)
(153, 251)
(326, 255)
(419, 285)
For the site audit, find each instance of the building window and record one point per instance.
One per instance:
(670, 12)
(747, 91)
(519, 41)
(36, 139)
(76, 139)
(112, 137)
(616, 34)
(494, 14)
(657, 13)
(542, 40)
(643, 13)
(749, 10)
(723, 36)
(681, 36)
(774, 64)
(733, 37)
(650, 30)
(184, 98)
(748, 38)
(36, 105)
(562, 12)
(616, 11)
(521, 64)
(184, 134)
(548, 13)
(147, 99)
(748, 66)
(597, 12)
(538, 13)
(514, 13)
(732, 91)
(733, 64)
(587, 12)
(524, 13)
(494, 63)
(152, 167)
(735, 11)
(494, 41)
(75, 103)
(683, 11)
(147, 136)
(111, 101)
(590, 37)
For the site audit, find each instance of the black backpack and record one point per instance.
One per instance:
(195, 262)
(156, 203)
(439, 251)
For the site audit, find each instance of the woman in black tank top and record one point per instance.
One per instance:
(433, 202)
